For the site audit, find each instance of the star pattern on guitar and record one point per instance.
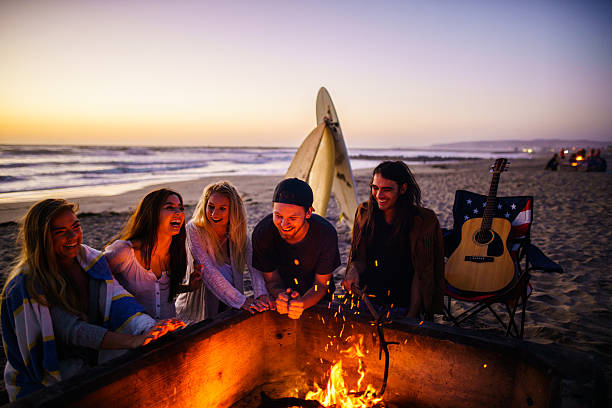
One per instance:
(516, 209)
(507, 207)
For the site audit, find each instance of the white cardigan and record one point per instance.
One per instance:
(204, 301)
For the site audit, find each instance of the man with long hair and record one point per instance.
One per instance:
(296, 250)
(397, 252)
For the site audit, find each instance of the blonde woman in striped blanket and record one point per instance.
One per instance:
(62, 311)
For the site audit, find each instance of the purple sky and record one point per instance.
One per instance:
(247, 73)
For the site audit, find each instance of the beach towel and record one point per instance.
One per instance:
(27, 328)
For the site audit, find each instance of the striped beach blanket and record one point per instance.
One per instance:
(27, 328)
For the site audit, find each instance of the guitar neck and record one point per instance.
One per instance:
(489, 211)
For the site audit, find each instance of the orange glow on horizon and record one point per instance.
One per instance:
(201, 73)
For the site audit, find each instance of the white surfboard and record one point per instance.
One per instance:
(322, 173)
(344, 183)
(314, 163)
(304, 157)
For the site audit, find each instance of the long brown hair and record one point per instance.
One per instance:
(236, 228)
(37, 261)
(407, 202)
(142, 227)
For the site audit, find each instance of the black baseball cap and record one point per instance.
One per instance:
(293, 191)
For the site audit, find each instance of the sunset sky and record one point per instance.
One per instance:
(405, 73)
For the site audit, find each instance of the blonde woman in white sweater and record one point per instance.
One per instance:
(217, 242)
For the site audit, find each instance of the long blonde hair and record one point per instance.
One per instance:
(237, 224)
(37, 260)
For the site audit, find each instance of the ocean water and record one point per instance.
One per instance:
(29, 172)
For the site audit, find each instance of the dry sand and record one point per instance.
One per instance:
(572, 225)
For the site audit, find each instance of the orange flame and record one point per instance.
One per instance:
(337, 394)
(162, 328)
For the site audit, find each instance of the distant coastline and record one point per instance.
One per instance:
(501, 146)
(30, 172)
(538, 145)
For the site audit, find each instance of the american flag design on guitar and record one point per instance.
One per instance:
(517, 210)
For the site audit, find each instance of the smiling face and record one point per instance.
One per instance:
(218, 211)
(66, 235)
(386, 192)
(171, 216)
(291, 221)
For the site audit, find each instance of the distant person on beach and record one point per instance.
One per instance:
(296, 250)
(217, 239)
(397, 251)
(553, 163)
(61, 305)
(149, 258)
(595, 162)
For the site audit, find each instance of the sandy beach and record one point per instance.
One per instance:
(572, 225)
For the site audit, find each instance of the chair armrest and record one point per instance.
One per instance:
(539, 261)
(446, 232)
(451, 241)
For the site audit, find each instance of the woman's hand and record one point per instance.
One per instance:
(256, 305)
(247, 305)
(265, 303)
(162, 328)
(195, 278)
(115, 341)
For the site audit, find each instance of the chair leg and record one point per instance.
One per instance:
(448, 314)
(499, 319)
(512, 323)
(471, 312)
(524, 312)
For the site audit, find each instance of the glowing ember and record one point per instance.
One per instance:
(337, 394)
(164, 327)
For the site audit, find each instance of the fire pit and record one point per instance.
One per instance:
(230, 361)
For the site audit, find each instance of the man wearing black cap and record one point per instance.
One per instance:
(296, 250)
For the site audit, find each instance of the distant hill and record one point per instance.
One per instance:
(538, 145)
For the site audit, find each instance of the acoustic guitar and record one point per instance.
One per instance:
(481, 262)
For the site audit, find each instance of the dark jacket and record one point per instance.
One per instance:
(426, 248)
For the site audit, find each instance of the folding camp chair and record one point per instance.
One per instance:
(526, 257)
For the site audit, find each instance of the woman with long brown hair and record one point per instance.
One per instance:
(60, 303)
(149, 258)
(217, 240)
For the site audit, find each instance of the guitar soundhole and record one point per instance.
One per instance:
(483, 237)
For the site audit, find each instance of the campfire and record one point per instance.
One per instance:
(337, 393)
(320, 360)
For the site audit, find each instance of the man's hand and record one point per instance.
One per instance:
(282, 303)
(282, 300)
(350, 278)
(296, 307)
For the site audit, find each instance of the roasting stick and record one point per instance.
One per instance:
(379, 320)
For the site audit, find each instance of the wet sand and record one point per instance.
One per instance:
(572, 225)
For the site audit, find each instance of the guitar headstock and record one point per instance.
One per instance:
(500, 165)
